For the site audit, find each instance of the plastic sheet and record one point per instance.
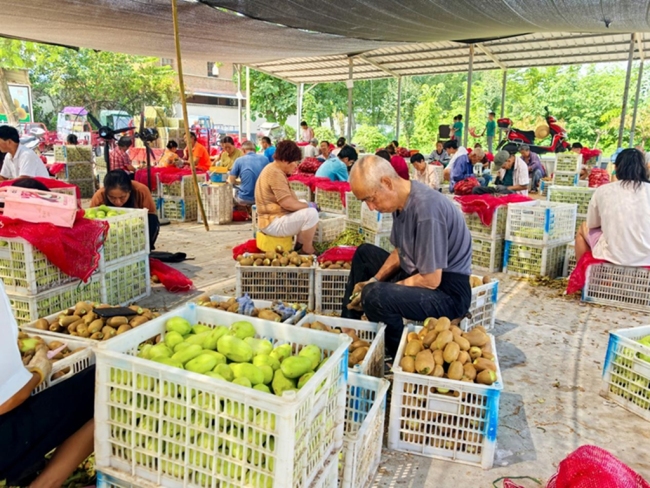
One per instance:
(340, 253)
(485, 205)
(172, 279)
(75, 251)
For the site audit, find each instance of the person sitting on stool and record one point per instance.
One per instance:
(427, 275)
(247, 168)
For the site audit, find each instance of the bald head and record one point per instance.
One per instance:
(369, 171)
(374, 181)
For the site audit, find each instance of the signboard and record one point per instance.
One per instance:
(22, 99)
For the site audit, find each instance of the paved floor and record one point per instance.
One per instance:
(551, 351)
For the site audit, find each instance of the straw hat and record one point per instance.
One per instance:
(542, 131)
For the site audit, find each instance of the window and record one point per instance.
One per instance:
(213, 70)
(167, 62)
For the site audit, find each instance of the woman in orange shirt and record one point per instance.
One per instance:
(200, 153)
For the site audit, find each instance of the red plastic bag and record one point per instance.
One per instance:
(485, 205)
(340, 253)
(465, 187)
(172, 279)
(249, 246)
(598, 177)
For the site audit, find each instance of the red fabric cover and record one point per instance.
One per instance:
(340, 253)
(56, 168)
(240, 216)
(593, 467)
(341, 186)
(249, 246)
(405, 153)
(465, 187)
(309, 165)
(308, 179)
(74, 251)
(485, 205)
(51, 183)
(172, 279)
(598, 177)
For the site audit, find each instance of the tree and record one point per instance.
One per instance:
(271, 98)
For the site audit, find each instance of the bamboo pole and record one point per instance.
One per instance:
(181, 84)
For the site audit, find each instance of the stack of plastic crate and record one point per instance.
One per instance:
(578, 195)
(376, 227)
(567, 169)
(302, 190)
(330, 226)
(537, 234)
(78, 167)
(570, 259)
(217, 202)
(352, 208)
(178, 201)
(618, 286)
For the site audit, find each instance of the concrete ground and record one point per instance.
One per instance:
(551, 350)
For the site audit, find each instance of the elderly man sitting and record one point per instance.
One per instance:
(427, 275)
(247, 168)
(535, 167)
(311, 150)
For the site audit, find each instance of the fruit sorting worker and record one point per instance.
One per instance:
(59, 417)
(19, 161)
(279, 212)
(427, 275)
(120, 191)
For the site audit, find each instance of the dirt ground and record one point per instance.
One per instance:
(551, 350)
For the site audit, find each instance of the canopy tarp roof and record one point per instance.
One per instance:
(312, 41)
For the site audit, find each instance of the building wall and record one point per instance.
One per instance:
(197, 79)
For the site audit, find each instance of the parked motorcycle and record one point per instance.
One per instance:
(516, 137)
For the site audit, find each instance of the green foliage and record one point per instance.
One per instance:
(289, 132)
(271, 98)
(369, 137)
(323, 133)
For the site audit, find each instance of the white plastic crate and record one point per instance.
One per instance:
(291, 285)
(25, 270)
(28, 308)
(330, 226)
(487, 254)
(329, 201)
(330, 288)
(128, 236)
(565, 179)
(364, 430)
(148, 414)
(544, 185)
(626, 372)
(568, 162)
(217, 202)
(183, 189)
(375, 221)
(259, 304)
(127, 281)
(483, 307)
(460, 428)
(79, 171)
(72, 153)
(618, 286)
(301, 190)
(496, 230)
(541, 222)
(177, 209)
(530, 261)
(352, 207)
(371, 332)
(87, 188)
(570, 259)
(381, 239)
(569, 194)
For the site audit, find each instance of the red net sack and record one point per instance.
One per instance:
(593, 467)
(74, 251)
(485, 205)
(466, 186)
(240, 216)
(340, 253)
(340, 186)
(309, 165)
(172, 279)
(588, 154)
(598, 177)
(249, 246)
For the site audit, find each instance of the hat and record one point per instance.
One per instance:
(314, 141)
(500, 158)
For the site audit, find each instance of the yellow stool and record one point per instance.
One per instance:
(269, 243)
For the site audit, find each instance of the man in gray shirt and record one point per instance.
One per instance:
(427, 275)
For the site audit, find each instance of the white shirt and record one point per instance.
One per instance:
(519, 175)
(13, 375)
(455, 156)
(623, 215)
(429, 177)
(24, 163)
(310, 151)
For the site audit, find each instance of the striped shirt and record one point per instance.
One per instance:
(271, 188)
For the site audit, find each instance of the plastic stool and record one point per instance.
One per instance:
(268, 243)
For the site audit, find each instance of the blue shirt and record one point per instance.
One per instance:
(248, 168)
(269, 152)
(334, 169)
(461, 169)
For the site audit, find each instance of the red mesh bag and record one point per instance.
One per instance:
(405, 153)
(465, 187)
(240, 216)
(172, 279)
(485, 205)
(340, 186)
(588, 154)
(249, 246)
(598, 177)
(309, 165)
(340, 253)
(74, 251)
(308, 179)
(56, 168)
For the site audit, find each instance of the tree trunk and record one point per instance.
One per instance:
(5, 99)
(332, 123)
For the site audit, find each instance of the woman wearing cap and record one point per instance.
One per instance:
(618, 220)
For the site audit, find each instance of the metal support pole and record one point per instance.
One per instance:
(626, 93)
(468, 97)
(399, 107)
(504, 81)
(248, 103)
(239, 107)
(301, 89)
(636, 103)
(350, 88)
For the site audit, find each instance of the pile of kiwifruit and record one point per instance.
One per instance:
(358, 349)
(335, 265)
(28, 343)
(279, 257)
